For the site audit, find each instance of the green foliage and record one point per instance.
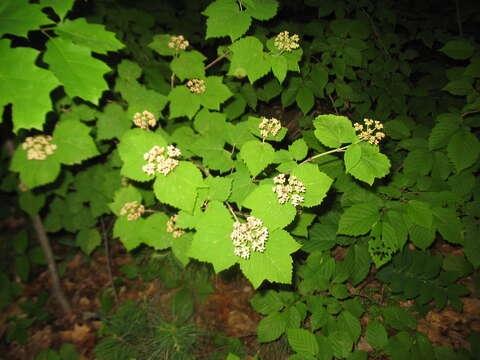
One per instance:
(86, 78)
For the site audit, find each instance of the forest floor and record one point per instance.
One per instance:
(227, 310)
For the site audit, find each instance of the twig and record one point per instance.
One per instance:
(107, 254)
(231, 210)
(52, 267)
(224, 55)
(470, 113)
(333, 104)
(341, 149)
(459, 19)
(172, 80)
(47, 250)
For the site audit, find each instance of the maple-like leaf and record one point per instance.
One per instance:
(26, 86)
(80, 73)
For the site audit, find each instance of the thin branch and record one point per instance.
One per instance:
(218, 59)
(459, 18)
(341, 149)
(52, 267)
(333, 104)
(105, 232)
(470, 113)
(46, 248)
(231, 210)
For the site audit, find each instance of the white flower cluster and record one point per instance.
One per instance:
(285, 42)
(269, 127)
(173, 229)
(161, 160)
(288, 189)
(249, 236)
(196, 86)
(370, 132)
(39, 147)
(178, 43)
(133, 210)
(144, 120)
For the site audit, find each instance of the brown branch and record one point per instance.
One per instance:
(52, 268)
(46, 248)
(105, 232)
(218, 59)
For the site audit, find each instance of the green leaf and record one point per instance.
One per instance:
(92, 36)
(463, 149)
(123, 196)
(472, 249)
(179, 187)
(319, 75)
(242, 184)
(364, 162)
(341, 343)
(316, 183)
(271, 327)
(348, 323)
(302, 341)
(18, 17)
(160, 45)
(88, 240)
(257, 156)
(399, 318)
(74, 144)
(248, 59)
(80, 73)
(68, 352)
(262, 9)
(460, 49)
(22, 267)
(279, 66)
(358, 219)
(183, 102)
(20, 242)
(216, 93)
(212, 242)
(189, 65)
(219, 188)
(61, 7)
(442, 132)
(113, 122)
(154, 232)
(129, 232)
(274, 264)
(34, 173)
(376, 335)
(19, 79)
(133, 145)
(211, 149)
(333, 130)
(305, 99)
(226, 19)
(298, 150)
(340, 291)
(420, 213)
(458, 264)
(421, 237)
(264, 204)
(266, 302)
(31, 202)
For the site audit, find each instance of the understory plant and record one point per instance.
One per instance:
(164, 123)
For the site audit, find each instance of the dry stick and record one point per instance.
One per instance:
(46, 248)
(107, 254)
(52, 267)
